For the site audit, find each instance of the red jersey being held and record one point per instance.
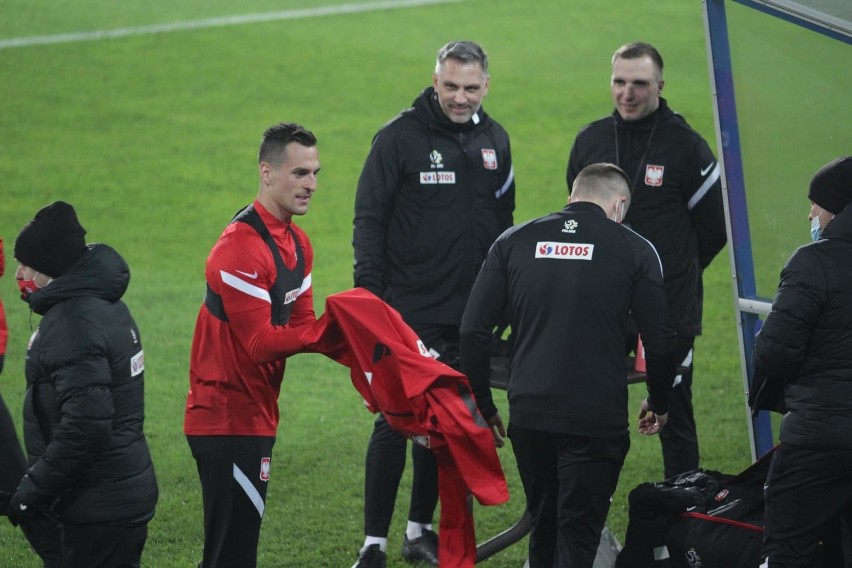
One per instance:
(257, 301)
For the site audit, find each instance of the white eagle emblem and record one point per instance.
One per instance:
(654, 175)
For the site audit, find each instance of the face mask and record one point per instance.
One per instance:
(816, 232)
(27, 287)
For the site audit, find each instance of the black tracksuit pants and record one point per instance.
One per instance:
(234, 471)
(568, 482)
(679, 439)
(808, 491)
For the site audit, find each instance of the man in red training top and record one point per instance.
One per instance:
(259, 295)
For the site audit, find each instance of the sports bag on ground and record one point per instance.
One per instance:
(700, 518)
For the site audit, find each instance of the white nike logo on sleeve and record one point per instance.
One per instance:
(707, 169)
(253, 275)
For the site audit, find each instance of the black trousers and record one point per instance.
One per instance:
(808, 492)
(234, 472)
(45, 537)
(568, 482)
(103, 546)
(386, 454)
(679, 439)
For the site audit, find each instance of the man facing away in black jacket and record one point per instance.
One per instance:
(567, 283)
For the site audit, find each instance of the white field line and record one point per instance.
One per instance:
(217, 22)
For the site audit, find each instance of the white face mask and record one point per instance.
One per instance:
(816, 231)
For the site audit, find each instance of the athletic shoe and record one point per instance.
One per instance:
(422, 549)
(371, 557)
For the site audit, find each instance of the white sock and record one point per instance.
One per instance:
(415, 530)
(381, 541)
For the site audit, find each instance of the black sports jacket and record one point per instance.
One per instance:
(677, 197)
(432, 197)
(567, 283)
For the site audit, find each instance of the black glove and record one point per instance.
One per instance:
(18, 511)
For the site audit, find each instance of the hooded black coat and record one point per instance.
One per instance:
(805, 344)
(84, 404)
(432, 197)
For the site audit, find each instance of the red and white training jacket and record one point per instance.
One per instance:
(422, 398)
(237, 363)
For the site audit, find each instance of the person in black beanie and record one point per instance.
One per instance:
(804, 352)
(52, 241)
(89, 464)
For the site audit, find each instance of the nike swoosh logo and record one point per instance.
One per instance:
(23, 507)
(707, 169)
(253, 275)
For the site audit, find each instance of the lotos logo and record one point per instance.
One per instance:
(564, 251)
(431, 178)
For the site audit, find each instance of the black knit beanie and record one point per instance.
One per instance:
(831, 186)
(52, 241)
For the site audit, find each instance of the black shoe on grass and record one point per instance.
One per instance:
(422, 549)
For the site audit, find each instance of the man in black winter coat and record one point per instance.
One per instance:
(89, 464)
(436, 189)
(568, 283)
(676, 204)
(804, 350)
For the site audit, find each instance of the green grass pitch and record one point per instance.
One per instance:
(154, 137)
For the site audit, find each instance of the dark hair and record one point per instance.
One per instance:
(465, 52)
(276, 138)
(639, 49)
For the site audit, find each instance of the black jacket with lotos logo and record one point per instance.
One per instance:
(567, 283)
(432, 197)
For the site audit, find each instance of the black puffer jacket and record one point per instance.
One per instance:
(806, 341)
(84, 405)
